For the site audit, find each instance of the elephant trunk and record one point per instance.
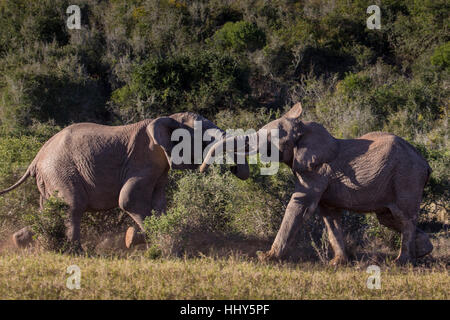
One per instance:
(221, 145)
(242, 171)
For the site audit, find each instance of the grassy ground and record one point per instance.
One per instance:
(42, 275)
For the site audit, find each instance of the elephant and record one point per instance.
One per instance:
(376, 173)
(96, 167)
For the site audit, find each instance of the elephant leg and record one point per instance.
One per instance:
(159, 205)
(332, 219)
(135, 198)
(423, 244)
(297, 209)
(422, 241)
(407, 226)
(308, 190)
(73, 228)
(408, 248)
(159, 201)
(387, 219)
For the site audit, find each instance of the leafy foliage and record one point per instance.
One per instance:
(200, 83)
(48, 225)
(239, 36)
(441, 56)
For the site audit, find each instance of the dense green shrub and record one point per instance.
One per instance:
(49, 97)
(52, 87)
(16, 153)
(239, 36)
(441, 56)
(24, 23)
(48, 225)
(201, 83)
(214, 205)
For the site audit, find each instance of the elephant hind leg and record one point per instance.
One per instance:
(422, 241)
(387, 219)
(407, 226)
(332, 219)
(73, 227)
(423, 244)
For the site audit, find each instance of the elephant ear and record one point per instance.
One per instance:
(295, 112)
(161, 131)
(315, 147)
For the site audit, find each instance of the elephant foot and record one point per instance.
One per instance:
(23, 238)
(338, 261)
(423, 244)
(402, 260)
(133, 237)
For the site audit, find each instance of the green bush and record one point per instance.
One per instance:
(239, 36)
(214, 205)
(202, 83)
(441, 56)
(168, 233)
(48, 225)
(354, 84)
(46, 97)
(16, 154)
(24, 23)
(52, 88)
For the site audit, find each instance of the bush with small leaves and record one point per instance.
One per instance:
(48, 225)
(239, 36)
(441, 56)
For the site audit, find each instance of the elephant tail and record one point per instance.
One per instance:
(18, 183)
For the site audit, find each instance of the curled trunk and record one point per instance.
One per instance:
(235, 141)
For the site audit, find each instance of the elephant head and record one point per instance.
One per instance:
(301, 145)
(162, 129)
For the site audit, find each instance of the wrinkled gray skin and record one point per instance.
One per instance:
(95, 167)
(378, 172)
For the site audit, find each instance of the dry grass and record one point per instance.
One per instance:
(42, 275)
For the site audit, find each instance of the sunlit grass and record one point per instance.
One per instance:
(42, 275)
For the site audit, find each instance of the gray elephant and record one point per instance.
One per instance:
(96, 167)
(378, 172)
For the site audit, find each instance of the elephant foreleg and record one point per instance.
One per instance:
(136, 198)
(332, 219)
(159, 202)
(298, 208)
(308, 190)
